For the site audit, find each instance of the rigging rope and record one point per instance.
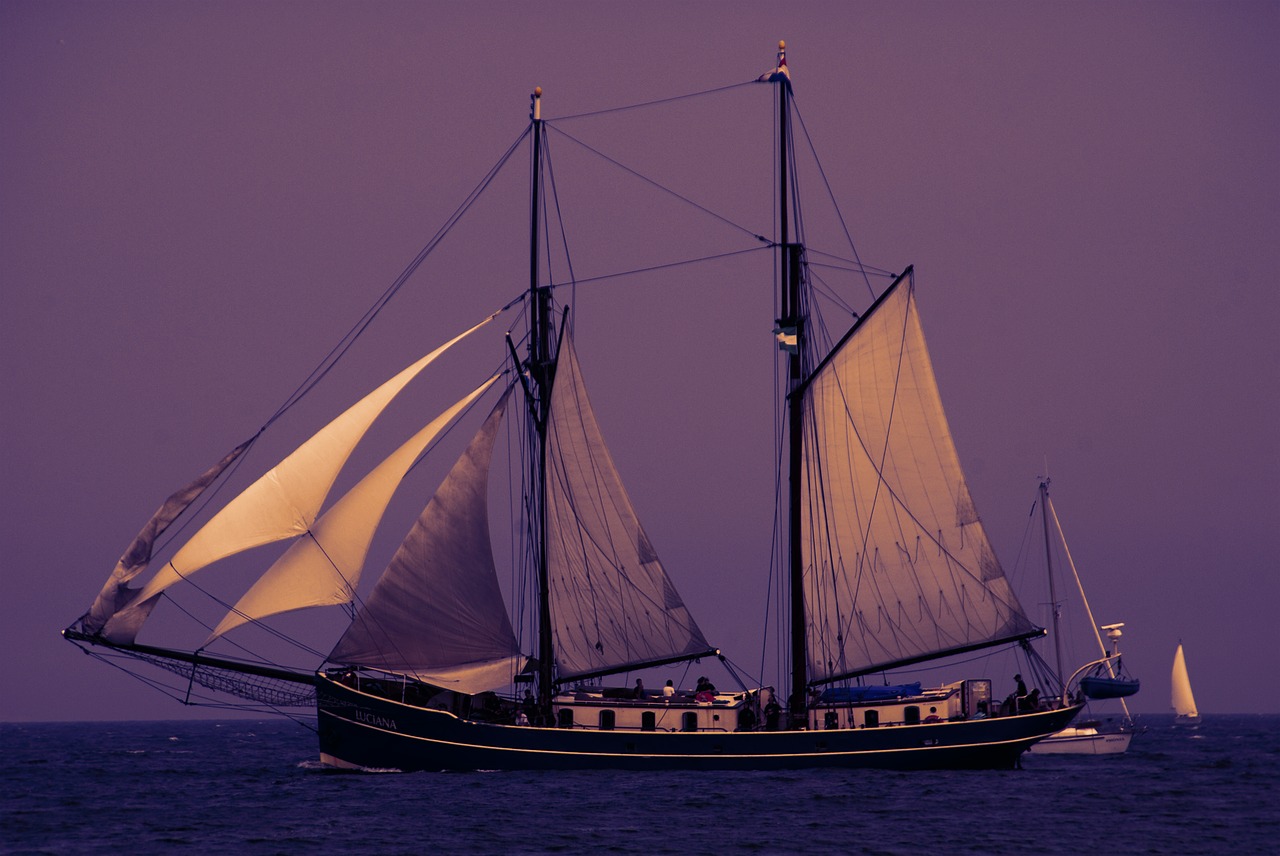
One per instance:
(839, 215)
(652, 268)
(564, 235)
(659, 186)
(643, 104)
(347, 341)
(350, 338)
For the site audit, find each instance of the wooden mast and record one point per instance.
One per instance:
(540, 370)
(792, 325)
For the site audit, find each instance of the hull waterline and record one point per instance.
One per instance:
(362, 731)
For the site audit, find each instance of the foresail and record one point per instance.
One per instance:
(281, 504)
(437, 612)
(898, 567)
(324, 568)
(612, 605)
(116, 592)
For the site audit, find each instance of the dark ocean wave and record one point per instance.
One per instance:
(256, 788)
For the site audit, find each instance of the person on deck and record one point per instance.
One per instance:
(772, 713)
(1020, 698)
(529, 707)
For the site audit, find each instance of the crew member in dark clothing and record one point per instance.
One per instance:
(772, 713)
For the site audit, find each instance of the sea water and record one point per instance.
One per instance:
(242, 787)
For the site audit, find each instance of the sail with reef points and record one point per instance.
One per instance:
(898, 566)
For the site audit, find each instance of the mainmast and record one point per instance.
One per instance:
(541, 372)
(791, 326)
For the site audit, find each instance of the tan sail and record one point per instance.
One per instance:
(323, 568)
(613, 605)
(437, 613)
(1184, 703)
(898, 567)
(283, 503)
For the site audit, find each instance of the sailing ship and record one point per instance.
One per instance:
(1100, 679)
(1185, 712)
(886, 560)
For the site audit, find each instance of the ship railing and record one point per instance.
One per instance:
(1078, 673)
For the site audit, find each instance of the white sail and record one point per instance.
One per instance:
(281, 504)
(437, 612)
(323, 568)
(1184, 703)
(612, 603)
(898, 568)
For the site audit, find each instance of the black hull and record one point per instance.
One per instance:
(358, 730)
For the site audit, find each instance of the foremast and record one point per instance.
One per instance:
(541, 372)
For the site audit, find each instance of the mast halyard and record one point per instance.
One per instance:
(540, 371)
(792, 330)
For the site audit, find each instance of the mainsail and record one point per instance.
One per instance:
(437, 613)
(898, 568)
(1184, 703)
(613, 606)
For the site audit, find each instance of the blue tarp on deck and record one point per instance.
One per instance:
(853, 695)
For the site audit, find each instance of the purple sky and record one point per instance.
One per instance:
(199, 199)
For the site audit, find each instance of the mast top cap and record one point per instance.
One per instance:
(782, 46)
(537, 92)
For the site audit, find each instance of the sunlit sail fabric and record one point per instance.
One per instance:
(897, 565)
(612, 604)
(323, 568)
(437, 613)
(281, 504)
(1184, 703)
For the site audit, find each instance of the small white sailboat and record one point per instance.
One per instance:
(1100, 679)
(1184, 703)
(1091, 737)
(1095, 736)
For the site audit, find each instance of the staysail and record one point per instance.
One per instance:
(323, 568)
(281, 504)
(613, 606)
(898, 567)
(437, 613)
